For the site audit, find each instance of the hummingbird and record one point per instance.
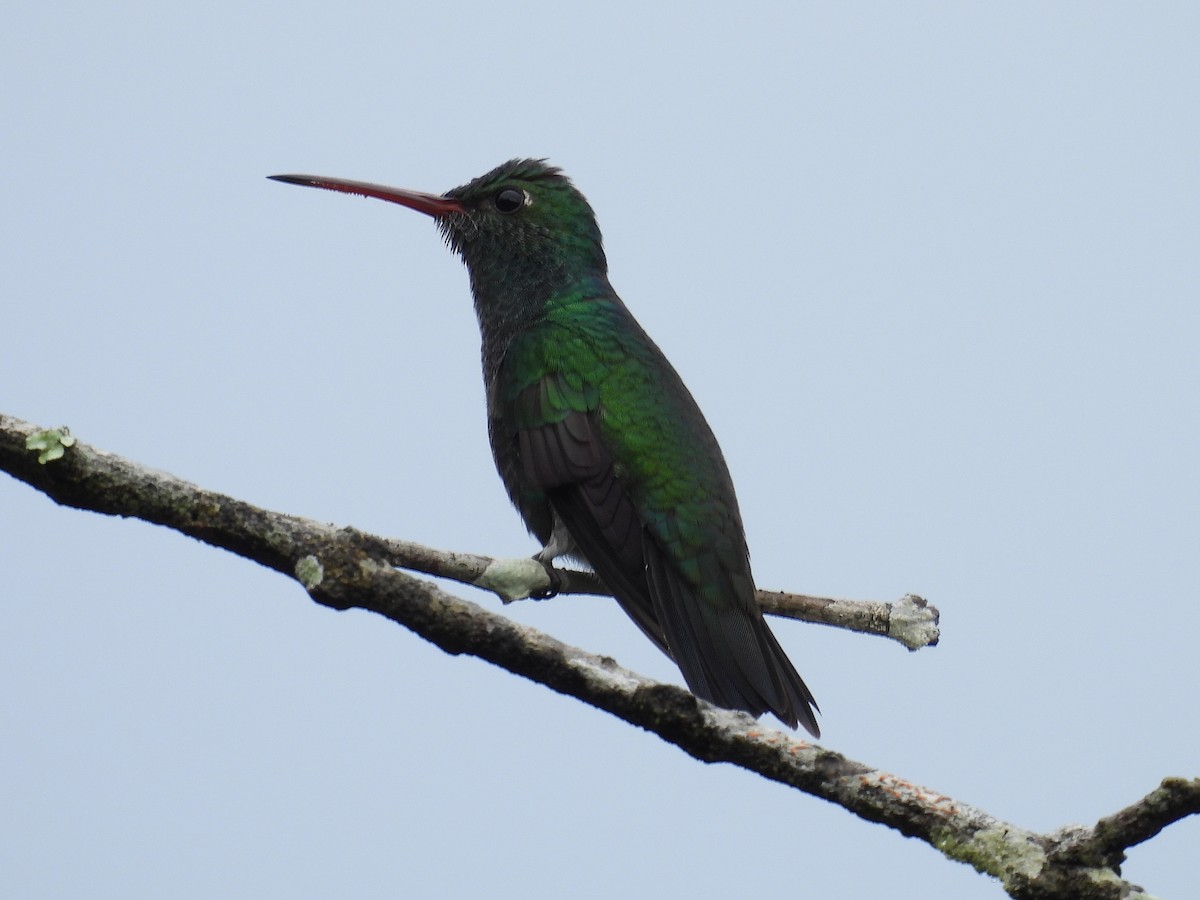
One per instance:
(600, 446)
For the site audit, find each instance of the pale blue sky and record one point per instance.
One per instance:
(930, 270)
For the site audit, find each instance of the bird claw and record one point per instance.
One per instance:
(555, 582)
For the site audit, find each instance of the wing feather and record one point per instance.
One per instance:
(724, 649)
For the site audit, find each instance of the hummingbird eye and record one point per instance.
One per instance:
(509, 200)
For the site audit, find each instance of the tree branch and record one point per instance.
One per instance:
(911, 620)
(343, 568)
(1108, 839)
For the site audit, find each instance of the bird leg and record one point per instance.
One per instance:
(552, 574)
(560, 543)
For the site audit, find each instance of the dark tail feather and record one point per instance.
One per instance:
(727, 654)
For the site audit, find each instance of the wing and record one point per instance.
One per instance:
(598, 434)
(724, 649)
(562, 456)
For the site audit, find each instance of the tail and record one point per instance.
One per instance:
(726, 651)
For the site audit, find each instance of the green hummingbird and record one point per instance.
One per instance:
(601, 447)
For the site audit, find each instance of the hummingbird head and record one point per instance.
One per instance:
(522, 217)
(524, 231)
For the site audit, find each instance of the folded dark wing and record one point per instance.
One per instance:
(724, 649)
(562, 454)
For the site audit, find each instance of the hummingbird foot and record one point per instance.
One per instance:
(560, 543)
(556, 581)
